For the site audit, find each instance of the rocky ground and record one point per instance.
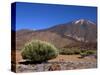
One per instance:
(62, 62)
(53, 66)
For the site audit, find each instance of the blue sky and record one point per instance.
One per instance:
(40, 16)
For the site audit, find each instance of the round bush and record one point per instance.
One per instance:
(39, 51)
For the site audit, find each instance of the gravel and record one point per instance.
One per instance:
(71, 65)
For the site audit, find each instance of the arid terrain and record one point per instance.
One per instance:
(79, 34)
(74, 33)
(65, 62)
(61, 58)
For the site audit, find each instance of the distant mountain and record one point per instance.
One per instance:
(69, 34)
(81, 30)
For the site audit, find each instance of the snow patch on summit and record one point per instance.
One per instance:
(79, 21)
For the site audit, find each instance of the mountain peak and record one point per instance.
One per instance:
(82, 21)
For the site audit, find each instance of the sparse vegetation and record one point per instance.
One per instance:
(74, 40)
(69, 51)
(84, 53)
(39, 51)
(74, 51)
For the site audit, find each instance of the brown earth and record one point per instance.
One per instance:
(61, 62)
(61, 58)
(69, 34)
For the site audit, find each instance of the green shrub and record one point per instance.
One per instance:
(90, 52)
(84, 53)
(69, 51)
(39, 51)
